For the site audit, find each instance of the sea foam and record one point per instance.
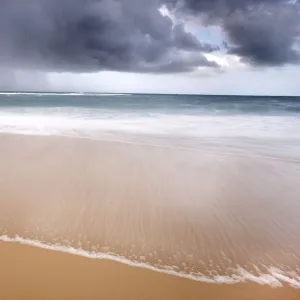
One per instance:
(274, 278)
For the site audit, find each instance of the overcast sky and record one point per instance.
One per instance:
(152, 46)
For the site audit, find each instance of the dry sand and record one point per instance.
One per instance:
(33, 273)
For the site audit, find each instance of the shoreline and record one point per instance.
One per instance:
(147, 202)
(43, 274)
(188, 144)
(274, 279)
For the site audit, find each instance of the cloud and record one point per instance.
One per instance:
(94, 35)
(239, 81)
(134, 36)
(262, 32)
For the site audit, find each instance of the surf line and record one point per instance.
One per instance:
(275, 278)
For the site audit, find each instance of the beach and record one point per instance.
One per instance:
(149, 149)
(143, 223)
(32, 273)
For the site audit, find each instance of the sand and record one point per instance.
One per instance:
(194, 211)
(33, 273)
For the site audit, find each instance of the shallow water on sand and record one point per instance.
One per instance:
(200, 185)
(215, 213)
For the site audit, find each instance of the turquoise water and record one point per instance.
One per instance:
(180, 104)
(265, 124)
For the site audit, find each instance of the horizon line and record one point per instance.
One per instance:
(141, 93)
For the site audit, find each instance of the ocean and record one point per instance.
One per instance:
(203, 187)
(264, 124)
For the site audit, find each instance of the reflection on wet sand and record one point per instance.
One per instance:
(192, 212)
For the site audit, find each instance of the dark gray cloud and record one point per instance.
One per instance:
(263, 32)
(92, 35)
(133, 36)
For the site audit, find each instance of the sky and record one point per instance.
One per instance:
(151, 46)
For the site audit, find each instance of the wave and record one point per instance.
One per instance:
(120, 130)
(274, 278)
(60, 94)
(90, 120)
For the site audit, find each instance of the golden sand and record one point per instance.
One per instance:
(33, 273)
(192, 211)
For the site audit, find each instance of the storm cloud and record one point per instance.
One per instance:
(134, 36)
(93, 35)
(262, 32)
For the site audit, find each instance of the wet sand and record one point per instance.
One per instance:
(33, 273)
(204, 214)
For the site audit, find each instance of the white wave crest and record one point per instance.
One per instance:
(275, 277)
(59, 94)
